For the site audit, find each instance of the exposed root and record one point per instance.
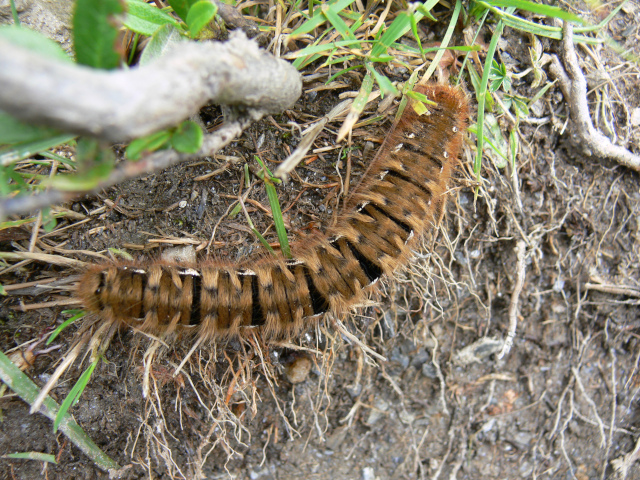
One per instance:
(515, 296)
(574, 88)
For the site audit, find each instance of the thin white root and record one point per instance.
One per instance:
(515, 296)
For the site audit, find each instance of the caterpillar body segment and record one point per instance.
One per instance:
(401, 196)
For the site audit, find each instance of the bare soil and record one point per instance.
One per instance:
(563, 403)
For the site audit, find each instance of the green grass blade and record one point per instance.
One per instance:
(482, 94)
(28, 391)
(54, 156)
(342, 72)
(363, 95)
(337, 22)
(77, 315)
(74, 394)
(318, 19)
(539, 8)
(266, 169)
(400, 26)
(276, 212)
(603, 23)
(20, 151)
(278, 221)
(386, 87)
(14, 13)
(313, 49)
(263, 241)
(38, 456)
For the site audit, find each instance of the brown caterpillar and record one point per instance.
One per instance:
(401, 196)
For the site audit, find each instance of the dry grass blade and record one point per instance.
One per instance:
(44, 258)
(309, 137)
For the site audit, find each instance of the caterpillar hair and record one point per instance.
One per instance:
(401, 196)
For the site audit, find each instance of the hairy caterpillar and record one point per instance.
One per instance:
(400, 197)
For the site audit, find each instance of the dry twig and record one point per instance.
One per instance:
(121, 105)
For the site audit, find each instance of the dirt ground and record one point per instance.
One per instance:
(564, 403)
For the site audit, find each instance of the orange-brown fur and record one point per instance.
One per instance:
(401, 196)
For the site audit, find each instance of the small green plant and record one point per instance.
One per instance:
(146, 19)
(269, 180)
(496, 76)
(185, 138)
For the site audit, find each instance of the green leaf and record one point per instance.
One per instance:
(386, 87)
(181, 7)
(34, 41)
(199, 16)
(493, 136)
(95, 32)
(420, 108)
(163, 40)
(118, 252)
(74, 394)
(13, 131)
(49, 222)
(145, 19)
(188, 137)
(150, 143)
(41, 457)
(519, 104)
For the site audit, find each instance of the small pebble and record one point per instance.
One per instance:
(297, 370)
(368, 473)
